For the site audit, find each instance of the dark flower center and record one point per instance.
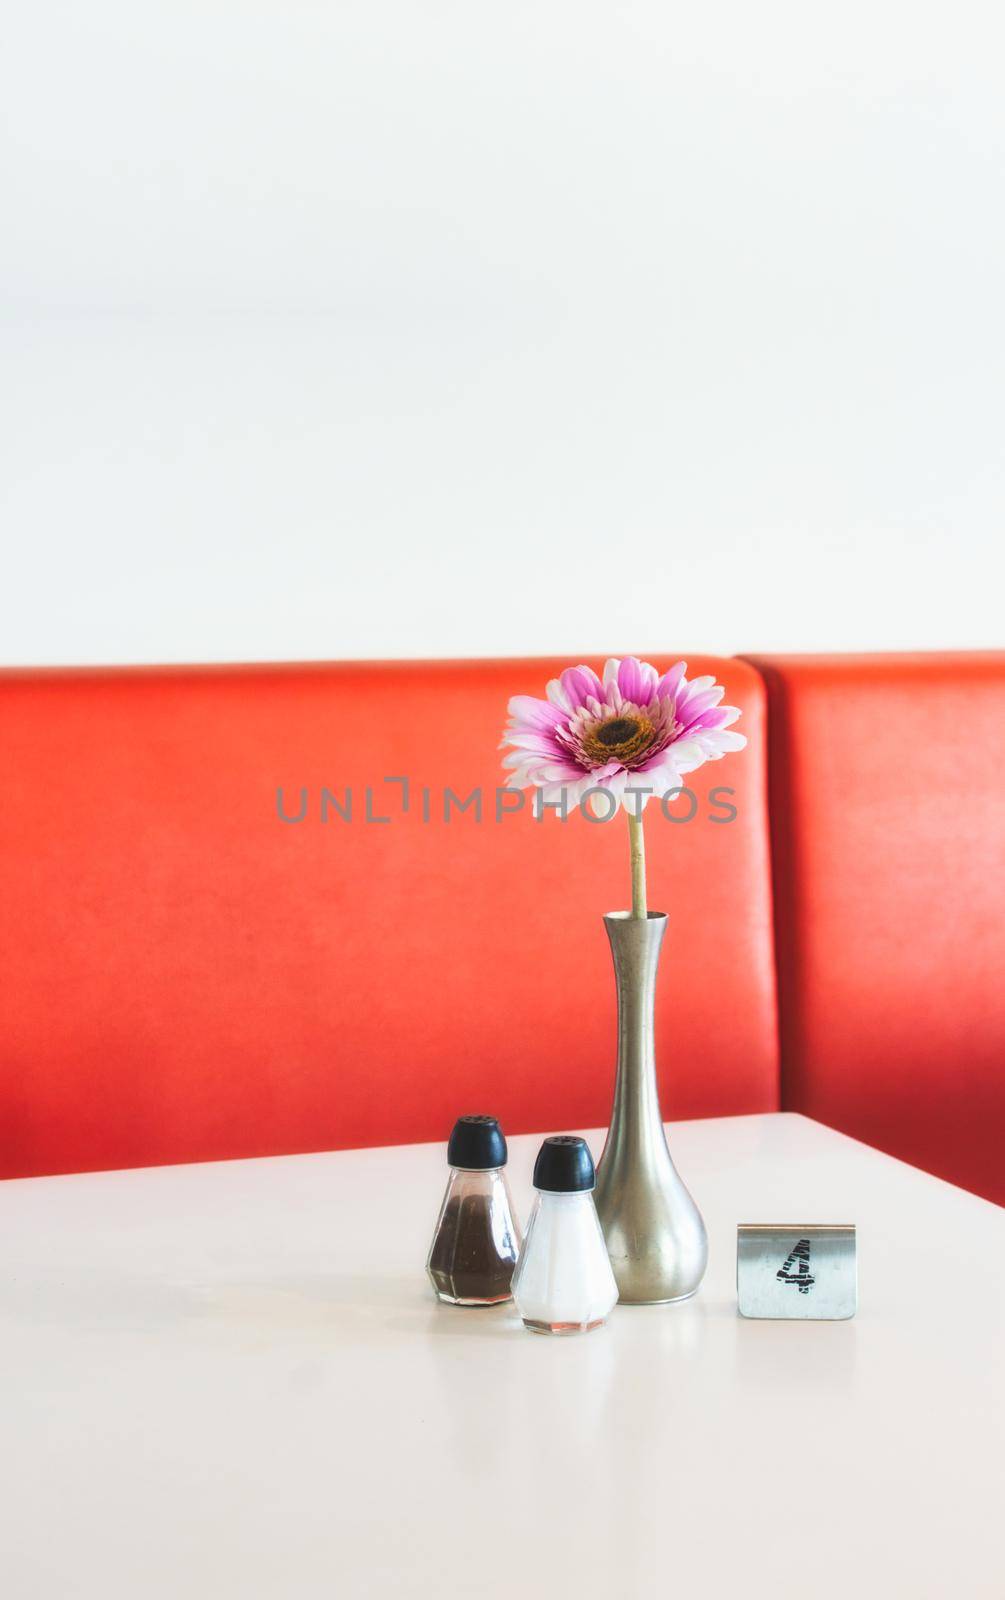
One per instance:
(626, 740)
(617, 732)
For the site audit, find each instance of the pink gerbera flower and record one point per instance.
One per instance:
(634, 733)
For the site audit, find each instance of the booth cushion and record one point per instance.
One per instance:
(186, 976)
(888, 817)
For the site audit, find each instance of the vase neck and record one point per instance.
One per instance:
(635, 946)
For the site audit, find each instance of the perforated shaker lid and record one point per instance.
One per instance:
(564, 1165)
(477, 1143)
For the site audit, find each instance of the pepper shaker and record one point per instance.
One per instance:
(477, 1240)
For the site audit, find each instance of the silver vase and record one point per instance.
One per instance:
(654, 1231)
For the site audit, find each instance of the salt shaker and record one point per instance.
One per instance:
(563, 1281)
(477, 1241)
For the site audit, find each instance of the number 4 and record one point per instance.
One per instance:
(801, 1278)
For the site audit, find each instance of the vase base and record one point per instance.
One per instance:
(562, 1328)
(668, 1300)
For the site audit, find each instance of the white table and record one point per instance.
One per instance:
(233, 1381)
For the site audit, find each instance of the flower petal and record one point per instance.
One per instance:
(668, 685)
(687, 754)
(695, 704)
(558, 697)
(560, 772)
(713, 717)
(581, 685)
(726, 740)
(519, 778)
(615, 784)
(524, 708)
(540, 742)
(630, 679)
(690, 692)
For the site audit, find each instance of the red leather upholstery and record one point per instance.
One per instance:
(187, 977)
(888, 818)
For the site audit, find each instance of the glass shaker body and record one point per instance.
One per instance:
(564, 1282)
(477, 1240)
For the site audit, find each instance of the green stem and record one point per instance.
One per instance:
(637, 849)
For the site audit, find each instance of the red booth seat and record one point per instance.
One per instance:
(187, 976)
(888, 829)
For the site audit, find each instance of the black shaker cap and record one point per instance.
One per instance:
(477, 1143)
(564, 1165)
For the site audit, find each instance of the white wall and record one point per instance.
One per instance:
(423, 327)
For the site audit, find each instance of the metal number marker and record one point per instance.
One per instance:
(807, 1271)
